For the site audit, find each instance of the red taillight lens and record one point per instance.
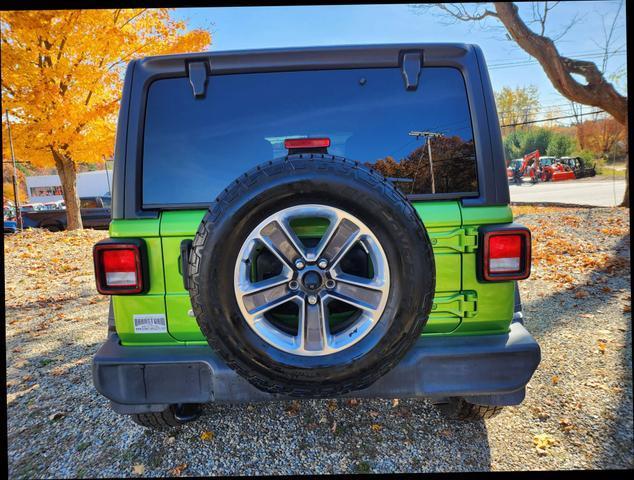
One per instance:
(507, 255)
(118, 268)
(306, 143)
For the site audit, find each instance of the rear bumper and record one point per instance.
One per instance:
(487, 369)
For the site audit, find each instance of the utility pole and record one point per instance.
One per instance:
(428, 136)
(105, 164)
(16, 200)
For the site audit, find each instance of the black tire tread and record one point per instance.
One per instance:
(157, 420)
(460, 409)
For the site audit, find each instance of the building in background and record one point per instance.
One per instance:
(48, 188)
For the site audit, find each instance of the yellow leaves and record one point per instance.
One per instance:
(375, 427)
(332, 405)
(614, 231)
(555, 379)
(543, 442)
(602, 344)
(62, 73)
(138, 469)
(206, 436)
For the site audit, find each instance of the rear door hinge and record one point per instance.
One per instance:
(463, 240)
(198, 72)
(462, 304)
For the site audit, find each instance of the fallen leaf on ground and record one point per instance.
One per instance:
(177, 470)
(565, 424)
(293, 408)
(555, 379)
(543, 442)
(395, 402)
(138, 469)
(332, 405)
(353, 402)
(581, 294)
(376, 427)
(206, 435)
(602, 345)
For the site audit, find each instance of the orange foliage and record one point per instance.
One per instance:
(62, 75)
(600, 136)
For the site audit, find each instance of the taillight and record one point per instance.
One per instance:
(293, 143)
(119, 267)
(506, 254)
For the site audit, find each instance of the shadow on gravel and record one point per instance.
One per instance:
(617, 431)
(326, 436)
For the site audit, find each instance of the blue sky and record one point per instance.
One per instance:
(269, 27)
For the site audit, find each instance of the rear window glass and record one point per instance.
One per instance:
(193, 148)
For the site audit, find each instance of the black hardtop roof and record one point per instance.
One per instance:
(436, 49)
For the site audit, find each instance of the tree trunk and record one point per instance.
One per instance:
(626, 197)
(68, 176)
(559, 70)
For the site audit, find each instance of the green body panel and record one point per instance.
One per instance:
(462, 305)
(153, 302)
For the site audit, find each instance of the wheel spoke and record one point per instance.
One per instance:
(312, 327)
(282, 242)
(357, 291)
(262, 296)
(342, 237)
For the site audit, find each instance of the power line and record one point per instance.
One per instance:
(527, 62)
(546, 107)
(618, 50)
(552, 119)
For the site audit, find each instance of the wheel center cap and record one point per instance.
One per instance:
(312, 280)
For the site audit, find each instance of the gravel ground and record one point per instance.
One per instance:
(577, 412)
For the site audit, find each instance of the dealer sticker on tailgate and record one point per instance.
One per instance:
(153, 323)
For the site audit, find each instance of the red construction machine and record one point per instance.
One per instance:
(546, 169)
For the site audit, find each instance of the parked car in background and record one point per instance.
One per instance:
(95, 213)
(10, 226)
(31, 207)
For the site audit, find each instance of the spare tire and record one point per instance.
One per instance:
(311, 276)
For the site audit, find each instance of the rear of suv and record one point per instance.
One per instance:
(312, 223)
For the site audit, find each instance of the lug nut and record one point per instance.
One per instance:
(312, 299)
(293, 285)
(299, 264)
(330, 284)
(323, 263)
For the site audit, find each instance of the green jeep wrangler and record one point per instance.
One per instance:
(312, 223)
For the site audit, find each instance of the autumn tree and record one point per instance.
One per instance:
(517, 105)
(564, 73)
(453, 161)
(62, 74)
